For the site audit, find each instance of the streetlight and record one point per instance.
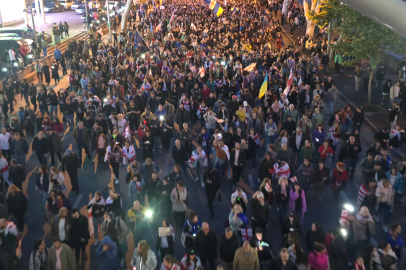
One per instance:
(33, 24)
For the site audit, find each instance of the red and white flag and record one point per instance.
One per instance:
(201, 72)
(250, 67)
(289, 84)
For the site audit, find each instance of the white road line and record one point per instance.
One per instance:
(77, 201)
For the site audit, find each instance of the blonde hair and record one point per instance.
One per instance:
(364, 211)
(281, 179)
(264, 182)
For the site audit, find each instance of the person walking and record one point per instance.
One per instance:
(40, 146)
(60, 256)
(39, 256)
(17, 174)
(212, 187)
(81, 137)
(79, 234)
(66, 29)
(17, 205)
(206, 245)
(71, 164)
(246, 258)
(143, 258)
(19, 149)
(178, 198)
(54, 145)
(60, 226)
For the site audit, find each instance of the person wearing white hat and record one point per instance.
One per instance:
(260, 211)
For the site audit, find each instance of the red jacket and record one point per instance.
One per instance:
(58, 128)
(338, 179)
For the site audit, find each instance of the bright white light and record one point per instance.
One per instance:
(148, 214)
(105, 100)
(142, 55)
(349, 207)
(223, 63)
(103, 19)
(15, 64)
(343, 232)
(30, 56)
(4, 69)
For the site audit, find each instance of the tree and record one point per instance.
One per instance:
(360, 37)
(310, 7)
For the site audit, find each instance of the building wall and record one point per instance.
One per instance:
(11, 11)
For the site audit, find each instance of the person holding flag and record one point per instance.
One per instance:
(264, 87)
(96, 209)
(199, 161)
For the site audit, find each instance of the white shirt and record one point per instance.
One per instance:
(298, 140)
(12, 55)
(62, 229)
(237, 153)
(4, 141)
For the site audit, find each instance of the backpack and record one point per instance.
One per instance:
(183, 236)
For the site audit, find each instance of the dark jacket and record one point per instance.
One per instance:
(55, 141)
(84, 133)
(227, 248)
(206, 245)
(17, 175)
(265, 254)
(79, 230)
(241, 157)
(292, 141)
(278, 265)
(17, 204)
(70, 163)
(182, 116)
(264, 166)
(45, 182)
(24, 145)
(260, 212)
(179, 155)
(40, 146)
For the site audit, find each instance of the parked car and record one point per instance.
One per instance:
(53, 7)
(25, 33)
(11, 40)
(76, 4)
(81, 10)
(67, 4)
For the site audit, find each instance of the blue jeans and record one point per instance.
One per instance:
(80, 146)
(20, 159)
(345, 127)
(385, 209)
(44, 49)
(332, 105)
(69, 119)
(324, 69)
(220, 167)
(53, 109)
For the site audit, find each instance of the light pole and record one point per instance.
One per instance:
(33, 24)
(108, 20)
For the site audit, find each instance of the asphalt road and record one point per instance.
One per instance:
(91, 180)
(69, 16)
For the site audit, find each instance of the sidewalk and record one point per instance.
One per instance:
(376, 115)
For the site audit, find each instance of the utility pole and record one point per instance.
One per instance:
(42, 11)
(108, 20)
(26, 13)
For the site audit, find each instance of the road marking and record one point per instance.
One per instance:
(251, 181)
(77, 201)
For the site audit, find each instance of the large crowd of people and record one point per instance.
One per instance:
(255, 104)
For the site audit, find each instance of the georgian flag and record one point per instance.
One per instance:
(200, 110)
(289, 84)
(192, 162)
(256, 139)
(186, 104)
(250, 67)
(201, 72)
(283, 171)
(90, 213)
(5, 170)
(393, 133)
